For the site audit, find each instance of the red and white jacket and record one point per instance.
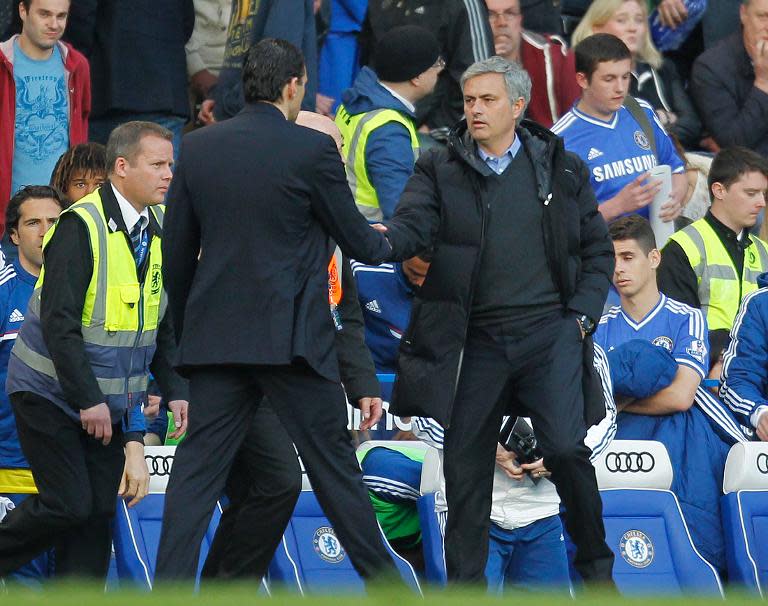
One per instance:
(78, 76)
(552, 68)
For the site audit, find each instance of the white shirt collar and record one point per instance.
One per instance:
(410, 106)
(130, 215)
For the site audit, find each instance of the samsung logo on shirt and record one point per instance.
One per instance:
(630, 166)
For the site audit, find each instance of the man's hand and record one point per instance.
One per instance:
(638, 193)
(205, 115)
(324, 105)
(97, 422)
(135, 481)
(536, 469)
(371, 410)
(670, 210)
(759, 55)
(380, 227)
(180, 410)
(762, 426)
(152, 408)
(508, 463)
(201, 82)
(672, 13)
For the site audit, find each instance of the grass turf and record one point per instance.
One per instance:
(234, 595)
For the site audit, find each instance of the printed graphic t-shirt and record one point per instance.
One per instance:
(42, 117)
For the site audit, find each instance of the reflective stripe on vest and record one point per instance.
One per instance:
(720, 289)
(355, 131)
(120, 315)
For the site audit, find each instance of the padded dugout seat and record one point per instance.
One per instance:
(644, 524)
(311, 559)
(744, 510)
(137, 529)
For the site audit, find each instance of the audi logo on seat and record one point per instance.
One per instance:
(762, 463)
(629, 462)
(159, 465)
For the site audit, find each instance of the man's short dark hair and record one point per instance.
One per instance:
(599, 48)
(634, 227)
(13, 210)
(731, 163)
(124, 141)
(269, 65)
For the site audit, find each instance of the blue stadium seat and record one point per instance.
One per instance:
(744, 510)
(311, 559)
(432, 523)
(644, 524)
(137, 530)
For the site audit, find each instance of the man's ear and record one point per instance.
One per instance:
(582, 80)
(290, 89)
(718, 190)
(655, 258)
(120, 165)
(13, 234)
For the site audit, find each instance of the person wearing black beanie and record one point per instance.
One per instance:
(377, 118)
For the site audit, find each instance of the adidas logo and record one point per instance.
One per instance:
(373, 306)
(16, 316)
(594, 153)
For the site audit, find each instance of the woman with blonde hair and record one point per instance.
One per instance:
(654, 78)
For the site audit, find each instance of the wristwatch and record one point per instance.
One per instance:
(587, 324)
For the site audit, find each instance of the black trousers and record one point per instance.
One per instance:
(533, 369)
(312, 409)
(262, 487)
(77, 478)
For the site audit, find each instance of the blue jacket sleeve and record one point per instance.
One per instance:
(744, 380)
(389, 162)
(134, 424)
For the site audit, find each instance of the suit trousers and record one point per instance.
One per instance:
(531, 368)
(77, 478)
(223, 400)
(262, 487)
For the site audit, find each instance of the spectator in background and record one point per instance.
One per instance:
(695, 427)
(546, 58)
(249, 22)
(460, 26)
(80, 171)
(377, 118)
(30, 214)
(654, 79)
(46, 98)
(619, 138)
(340, 53)
(714, 262)
(7, 11)
(138, 65)
(205, 48)
(729, 83)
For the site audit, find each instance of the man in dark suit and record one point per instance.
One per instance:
(254, 201)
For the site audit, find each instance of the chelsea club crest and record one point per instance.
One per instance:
(327, 546)
(636, 549)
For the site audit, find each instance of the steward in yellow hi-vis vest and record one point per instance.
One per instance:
(721, 289)
(79, 369)
(377, 118)
(121, 313)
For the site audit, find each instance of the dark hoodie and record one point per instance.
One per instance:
(388, 154)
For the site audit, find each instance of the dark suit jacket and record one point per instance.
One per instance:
(733, 110)
(136, 52)
(258, 198)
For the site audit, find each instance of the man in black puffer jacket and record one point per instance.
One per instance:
(501, 325)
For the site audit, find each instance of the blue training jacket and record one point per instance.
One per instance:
(744, 380)
(388, 153)
(16, 286)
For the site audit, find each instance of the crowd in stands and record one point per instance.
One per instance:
(627, 86)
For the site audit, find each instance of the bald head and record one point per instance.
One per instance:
(320, 123)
